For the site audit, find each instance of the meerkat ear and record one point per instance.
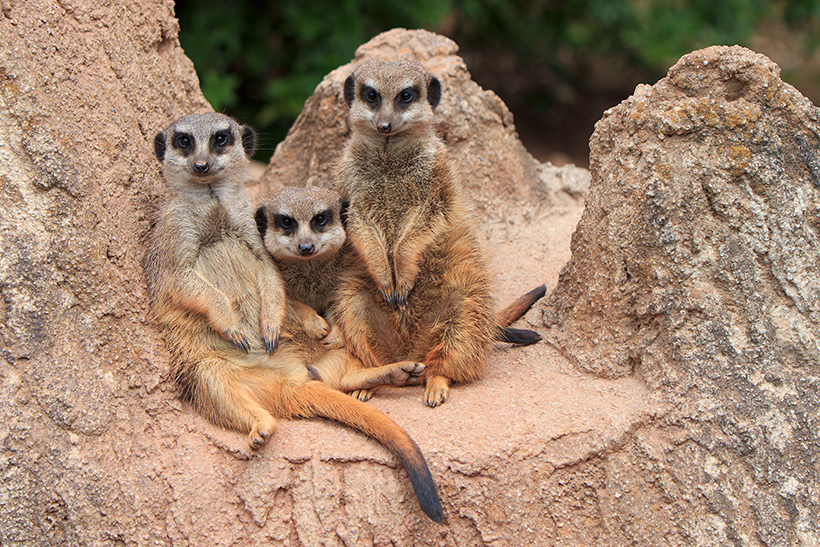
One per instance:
(434, 92)
(159, 146)
(345, 205)
(261, 217)
(248, 140)
(350, 90)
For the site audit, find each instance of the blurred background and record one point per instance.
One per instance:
(556, 64)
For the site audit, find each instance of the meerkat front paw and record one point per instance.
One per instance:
(396, 299)
(271, 339)
(316, 326)
(334, 339)
(237, 339)
(403, 288)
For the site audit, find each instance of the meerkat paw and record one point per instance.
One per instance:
(396, 299)
(261, 432)
(437, 392)
(334, 339)
(237, 339)
(406, 373)
(270, 337)
(403, 288)
(362, 394)
(316, 327)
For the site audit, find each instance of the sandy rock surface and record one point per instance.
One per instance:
(696, 268)
(559, 445)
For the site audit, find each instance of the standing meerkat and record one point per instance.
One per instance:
(220, 302)
(303, 230)
(416, 286)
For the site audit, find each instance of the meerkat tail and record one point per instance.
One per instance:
(520, 306)
(519, 337)
(314, 399)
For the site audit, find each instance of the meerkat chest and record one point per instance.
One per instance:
(312, 282)
(225, 257)
(388, 187)
(216, 225)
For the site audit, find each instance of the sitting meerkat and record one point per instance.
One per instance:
(219, 300)
(303, 230)
(416, 286)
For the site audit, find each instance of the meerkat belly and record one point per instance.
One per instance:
(231, 268)
(451, 283)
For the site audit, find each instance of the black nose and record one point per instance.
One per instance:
(306, 249)
(384, 128)
(202, 166)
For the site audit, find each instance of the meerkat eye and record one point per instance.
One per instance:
(407, 96)
(321, 220)
(370, 95)
(183, 141)
(286, 222)
(221, 140)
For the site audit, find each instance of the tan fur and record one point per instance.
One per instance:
(417, 288)
(302, 230)
(297, 219)
(220, 302)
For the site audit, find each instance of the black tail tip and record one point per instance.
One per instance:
(432, 508)
(425, 490)
(519, 337)
(538, 293)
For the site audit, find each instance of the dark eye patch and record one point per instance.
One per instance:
(407, 96)
(221, 141)
(370, 96)
(184, 142)
(285, 223)
(322, 221)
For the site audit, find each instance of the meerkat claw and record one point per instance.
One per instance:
(272, 344)
(238, 340)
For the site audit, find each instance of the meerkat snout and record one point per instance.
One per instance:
(306, 249)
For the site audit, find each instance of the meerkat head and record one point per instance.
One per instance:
(391, 98)
(302, 224)
(201, 148)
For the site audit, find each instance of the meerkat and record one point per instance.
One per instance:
(220, 302)
(303, 230)
(416, 286)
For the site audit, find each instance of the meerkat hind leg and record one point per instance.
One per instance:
(261, 432)
(401, 373)
(261, 423)
(437, 391)
(341, 370)
(363, 395)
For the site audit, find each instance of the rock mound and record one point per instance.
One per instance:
(693, 421)
(696, 268)
(499, 175)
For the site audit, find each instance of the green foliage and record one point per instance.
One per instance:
(259, 61)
